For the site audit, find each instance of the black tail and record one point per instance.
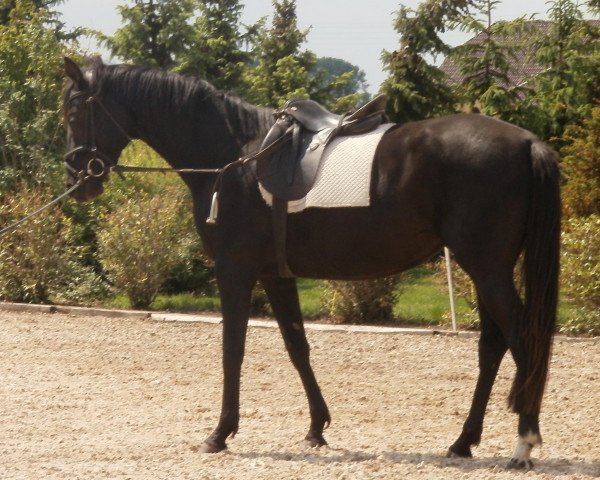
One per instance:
(541, 270)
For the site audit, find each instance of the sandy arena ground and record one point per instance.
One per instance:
(112, 398)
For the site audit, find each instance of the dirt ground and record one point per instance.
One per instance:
(112, 398)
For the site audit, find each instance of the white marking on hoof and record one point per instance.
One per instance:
(521, 457)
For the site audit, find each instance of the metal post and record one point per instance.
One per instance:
(450, 288)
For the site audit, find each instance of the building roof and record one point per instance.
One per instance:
(523, 65)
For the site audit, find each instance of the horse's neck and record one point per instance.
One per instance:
(187, 140)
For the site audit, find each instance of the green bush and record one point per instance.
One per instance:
(581, 273)
(39, 261)
(142, 241)
(581, 167)
(365, 301)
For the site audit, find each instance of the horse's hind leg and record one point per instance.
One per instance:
(492, 347)
(283, 295)
(501, 308)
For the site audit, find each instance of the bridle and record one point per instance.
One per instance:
(100, 163)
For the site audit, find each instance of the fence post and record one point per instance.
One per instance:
(450, 288)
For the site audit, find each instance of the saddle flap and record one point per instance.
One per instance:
(290, 171)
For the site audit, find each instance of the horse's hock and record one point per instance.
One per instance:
(97, 397)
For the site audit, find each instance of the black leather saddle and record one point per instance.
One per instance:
(289, 158)
(290, 155)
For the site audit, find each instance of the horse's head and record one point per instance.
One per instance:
(97, 130)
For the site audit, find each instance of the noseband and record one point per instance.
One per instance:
(99, 163)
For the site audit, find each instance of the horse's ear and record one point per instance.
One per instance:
(74, 73)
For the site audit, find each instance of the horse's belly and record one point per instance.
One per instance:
(357, 243)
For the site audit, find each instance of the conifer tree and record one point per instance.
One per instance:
(216, 54)
(485, 66)
(569, 51)
(154, 32)
(282, 67)
(417, 89)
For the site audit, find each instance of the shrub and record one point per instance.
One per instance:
(365, 301)
(581, 272)
(581, 167)
(143, 240)
(39, 260)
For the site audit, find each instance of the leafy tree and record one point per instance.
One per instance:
(31, 79)
(216, 53)
(154, 32)
(339, 85)
(52, 17)
(417, 89)
(7, 7)
(580, 272)
(334, 67)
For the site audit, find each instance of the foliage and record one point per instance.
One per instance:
(570, 54)
(339, 85)
(282, 69)
(416, 89)
(486, 65)
(39, 260)
(142, 241)
(215, 54)
(368, 301)
(581, 261)
(581, 167)
(154, 32)
(30, 84)
(51, 17)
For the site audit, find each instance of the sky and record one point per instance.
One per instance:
(354, 30)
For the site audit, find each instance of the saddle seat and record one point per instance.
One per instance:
(291, 153)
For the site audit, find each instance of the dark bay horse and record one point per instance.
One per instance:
(486, 189)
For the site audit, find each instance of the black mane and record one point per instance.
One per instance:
(158, 92)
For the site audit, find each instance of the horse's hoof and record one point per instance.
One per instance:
(315, 441)
(456, 452)
(211, 448)
(516, 464)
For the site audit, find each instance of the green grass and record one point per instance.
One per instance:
(422, 301)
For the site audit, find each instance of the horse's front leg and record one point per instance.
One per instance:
(235, 287)
(283, 295)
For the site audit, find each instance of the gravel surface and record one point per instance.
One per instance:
(115, 398)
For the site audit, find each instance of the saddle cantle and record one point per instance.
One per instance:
(289, 158)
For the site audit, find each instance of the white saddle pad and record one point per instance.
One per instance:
(344, 176)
